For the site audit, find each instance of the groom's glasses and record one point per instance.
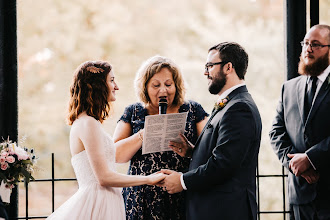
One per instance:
(210, 65)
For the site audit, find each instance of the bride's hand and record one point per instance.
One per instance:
(184, 149)
(156, 178)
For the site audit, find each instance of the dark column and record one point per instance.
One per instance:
(295, 30)
(314, 12)
(8, 83)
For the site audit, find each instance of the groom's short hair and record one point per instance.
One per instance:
(234, 53)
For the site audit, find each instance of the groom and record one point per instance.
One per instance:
(220, 182)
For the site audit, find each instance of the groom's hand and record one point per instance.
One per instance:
(172, 182)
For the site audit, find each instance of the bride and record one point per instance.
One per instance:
(92, 149)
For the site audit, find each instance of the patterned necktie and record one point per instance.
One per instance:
(310, 95)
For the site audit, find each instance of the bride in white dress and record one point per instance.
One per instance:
(93, 151)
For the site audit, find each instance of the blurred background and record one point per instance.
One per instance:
(54, 37)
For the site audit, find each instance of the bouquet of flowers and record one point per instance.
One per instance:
(16, 163)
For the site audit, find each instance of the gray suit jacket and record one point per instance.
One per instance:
(292, 134)
(221, 178)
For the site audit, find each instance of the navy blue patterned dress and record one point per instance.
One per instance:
(151, 202)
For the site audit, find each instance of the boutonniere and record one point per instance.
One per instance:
(221, 104)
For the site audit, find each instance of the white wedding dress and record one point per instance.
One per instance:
(92, 201)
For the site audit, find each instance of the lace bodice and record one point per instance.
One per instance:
(82, 167)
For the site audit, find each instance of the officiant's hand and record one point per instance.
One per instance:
(172, 183)
(184, 149)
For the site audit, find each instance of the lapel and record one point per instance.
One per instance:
(207, 125)
(215, 112)
(319, 98)
(301, 91)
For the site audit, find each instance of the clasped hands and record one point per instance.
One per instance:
(171, 183)
(169, 180)
(300, 166)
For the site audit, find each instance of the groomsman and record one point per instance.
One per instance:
(300, 134)
(220, 183)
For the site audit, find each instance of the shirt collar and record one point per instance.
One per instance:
(323, 75)
(228, 91)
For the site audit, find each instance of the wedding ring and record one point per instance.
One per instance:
(180, 150)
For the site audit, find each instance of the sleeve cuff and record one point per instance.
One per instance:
(182, 182)
(308, 160)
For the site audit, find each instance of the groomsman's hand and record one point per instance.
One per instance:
(172, 183)
(299, 163)
(311, 176)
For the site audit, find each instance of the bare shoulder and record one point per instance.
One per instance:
(86, 121)
(84, 130)
(84, 124)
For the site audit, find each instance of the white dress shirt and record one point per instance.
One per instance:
(320, 80)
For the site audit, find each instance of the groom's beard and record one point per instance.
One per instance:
(217, 83)
(315, 68)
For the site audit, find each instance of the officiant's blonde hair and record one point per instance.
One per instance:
(89, 91)
(152, 66)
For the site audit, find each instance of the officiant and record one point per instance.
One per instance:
(157, 78)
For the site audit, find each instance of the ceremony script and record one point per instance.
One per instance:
(160, 129)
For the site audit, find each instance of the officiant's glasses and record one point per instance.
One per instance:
(313, 46)
(210, 65)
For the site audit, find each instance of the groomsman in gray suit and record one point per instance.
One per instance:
(221, 181)
(300, 134)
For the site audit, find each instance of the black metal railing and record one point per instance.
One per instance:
(284, 212)
(52, 180)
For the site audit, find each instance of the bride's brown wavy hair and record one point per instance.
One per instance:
(89, 91)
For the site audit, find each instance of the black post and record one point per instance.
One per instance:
(314, 12)
(8, 84)
(295, 30)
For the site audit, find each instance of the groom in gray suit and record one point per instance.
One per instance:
(220, 183)
(300, 134)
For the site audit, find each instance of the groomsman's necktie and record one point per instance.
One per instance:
(310, 94)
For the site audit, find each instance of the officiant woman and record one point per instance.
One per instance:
(158, 77)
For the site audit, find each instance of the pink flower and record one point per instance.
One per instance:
(9, 186)
(2, 159)
(4, 166)
(224, 101)
(4, 154)
(10, 159)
